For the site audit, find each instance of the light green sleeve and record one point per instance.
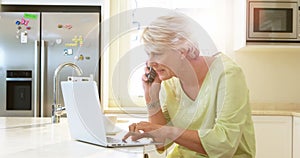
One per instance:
(232, 111)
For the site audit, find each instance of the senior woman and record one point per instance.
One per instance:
(198, 102)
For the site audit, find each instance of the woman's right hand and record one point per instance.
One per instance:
(151, 89)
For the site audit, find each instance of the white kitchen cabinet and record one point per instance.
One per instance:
(296, 137)
(274, 136)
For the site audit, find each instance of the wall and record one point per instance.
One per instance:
(272, 72)
(225, 22)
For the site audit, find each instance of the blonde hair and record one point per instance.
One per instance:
(170, 32)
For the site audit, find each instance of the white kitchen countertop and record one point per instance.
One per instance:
(276, 109)
(38, 137)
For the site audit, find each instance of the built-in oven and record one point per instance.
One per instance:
(19, 93)
(18, 90)
(273, 20)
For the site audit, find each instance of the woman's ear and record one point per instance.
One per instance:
(192, 53)
(183, 54)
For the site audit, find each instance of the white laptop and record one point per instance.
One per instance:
(84, 114)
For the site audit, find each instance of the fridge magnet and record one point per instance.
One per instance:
(18, 22)
(19, 27)
(80, 41)
(28, 28)
(68, 51)
(80, 57)
(24, 21)
(58, 41)
(76, 40)
(68, 26)
(59, 26)
(71, 44)
(24, 37)
(30, 16)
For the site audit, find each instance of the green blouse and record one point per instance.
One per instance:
(221, 112)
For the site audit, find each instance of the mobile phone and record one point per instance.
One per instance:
(151, 75)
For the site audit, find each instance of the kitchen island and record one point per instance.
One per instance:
(38, 137)
(277, 129)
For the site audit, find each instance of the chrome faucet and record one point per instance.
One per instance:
(57, 109)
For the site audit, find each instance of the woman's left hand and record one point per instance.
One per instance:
(146, 130)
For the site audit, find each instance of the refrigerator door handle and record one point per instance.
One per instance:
(36, 99)
(43, 75)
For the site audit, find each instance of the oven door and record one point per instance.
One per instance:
(272, 21)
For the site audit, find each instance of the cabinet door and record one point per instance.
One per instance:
(273, 136)
(296, 137)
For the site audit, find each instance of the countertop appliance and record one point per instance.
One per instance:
(273, 20)
(38, 42)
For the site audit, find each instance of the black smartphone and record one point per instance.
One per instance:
(151, 75)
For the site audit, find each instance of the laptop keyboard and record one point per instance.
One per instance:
(113, 140)
(119, 141)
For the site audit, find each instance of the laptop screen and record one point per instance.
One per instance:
(84, 112)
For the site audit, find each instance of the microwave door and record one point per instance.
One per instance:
(273, 20)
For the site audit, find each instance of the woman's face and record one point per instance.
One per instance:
(166, 63)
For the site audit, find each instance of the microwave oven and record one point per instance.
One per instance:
(273, 20)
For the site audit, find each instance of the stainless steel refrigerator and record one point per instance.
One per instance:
(32, 46)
